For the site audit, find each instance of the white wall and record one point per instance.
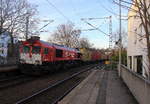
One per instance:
(136, 42)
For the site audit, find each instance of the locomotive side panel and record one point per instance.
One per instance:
(47, 54)
(96, 55)
(62, 54)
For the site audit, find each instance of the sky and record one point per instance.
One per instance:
(74, 10)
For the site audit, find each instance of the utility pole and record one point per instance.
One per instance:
(110, 32)
(1, 28)
(27, 27)
(120, 38)
(110, 40)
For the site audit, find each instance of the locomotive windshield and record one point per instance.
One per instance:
(26, 49)
(36, 49)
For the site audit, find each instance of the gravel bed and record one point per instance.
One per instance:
(12, 82)
(6, 75)
(54, 93)
(12, 95)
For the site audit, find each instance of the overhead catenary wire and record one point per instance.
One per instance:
(46, 24)
(110, 11)
(41, 29)
(104, 22)
(88, 29)
(127, 2)
(98, 18)
(95, 27)
(61, 13)
(110, 27)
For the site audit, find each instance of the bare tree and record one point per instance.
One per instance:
(84, 43)
(13, 15)
(124, 37)
(66, 34)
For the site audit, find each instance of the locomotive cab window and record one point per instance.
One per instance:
(46, 51)
(59, 53)
(36, 49)
(26, 49)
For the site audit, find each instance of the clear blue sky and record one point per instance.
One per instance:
(77, 9)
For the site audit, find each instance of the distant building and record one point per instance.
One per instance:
(137, 59)
(5, 40)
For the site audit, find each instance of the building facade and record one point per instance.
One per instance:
(5, 40)
(137, 59)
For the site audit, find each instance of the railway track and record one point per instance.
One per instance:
(9, 82)
(14, 94)
(71, 88)
(45, 95)
(8, 79)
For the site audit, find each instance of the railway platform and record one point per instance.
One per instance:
(100, 87)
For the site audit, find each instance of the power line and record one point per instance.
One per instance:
(110, 27)
(61, 13)
(46, 25)
(104, 22)
(88, 29)
(94, 18)
(110, 11)
(94, 27)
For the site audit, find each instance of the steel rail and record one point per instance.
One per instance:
(11, 78)
(51, 86)
(13, 82)
(61, 97)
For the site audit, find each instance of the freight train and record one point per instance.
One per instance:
(40, 56)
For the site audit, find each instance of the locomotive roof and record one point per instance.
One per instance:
(58, 46)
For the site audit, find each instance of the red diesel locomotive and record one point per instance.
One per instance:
(37, 55)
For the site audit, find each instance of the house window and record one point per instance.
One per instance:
(59, 53)
(2, 51)
(130, 62)
(26, 49)
(1, 44)
(139, 64)
(36, 49)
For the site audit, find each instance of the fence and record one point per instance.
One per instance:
(138, 85)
